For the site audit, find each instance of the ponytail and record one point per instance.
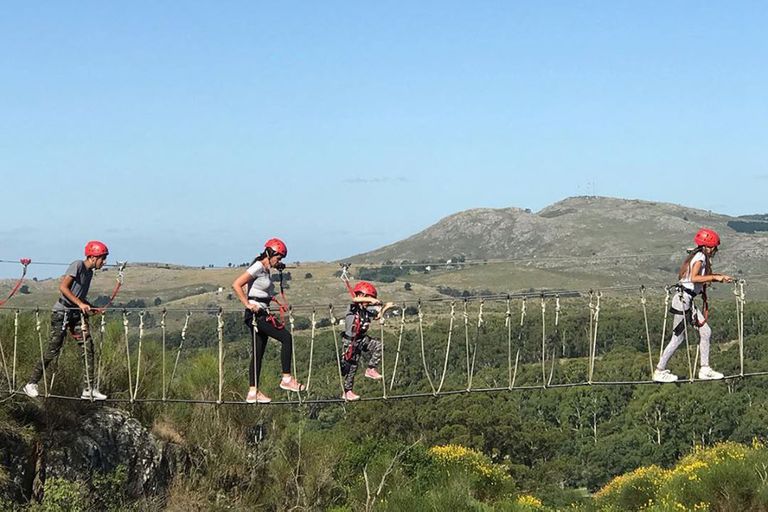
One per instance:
(685, 268)
(261, 256)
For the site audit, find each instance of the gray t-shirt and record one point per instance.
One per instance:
(80, 284)
(261, 289)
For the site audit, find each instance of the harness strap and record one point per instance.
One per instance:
(350, 353)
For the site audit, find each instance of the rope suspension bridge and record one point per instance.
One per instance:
(466, 320)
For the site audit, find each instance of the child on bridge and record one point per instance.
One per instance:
(70, 313)
(694, 275)
(365, 308)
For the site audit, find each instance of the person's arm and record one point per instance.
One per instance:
(387, 307)
(239, 287)
(65, 288)
(369, 301)
(707, 278)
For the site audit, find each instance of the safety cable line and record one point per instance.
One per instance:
(25, 263)
(441, 263)
(434, 300)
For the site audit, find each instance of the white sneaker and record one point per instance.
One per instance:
(664, 376)
(707, 373)
(92, 394)
(30, 389)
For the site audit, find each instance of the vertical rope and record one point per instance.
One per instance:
(399, 344)
(647, 330)
(466, 343)
(61, 352)
(292, 326)
(738, 291)
(38, 328)
(100, 363)
(685, 330)
(85, 334)
(594, 339)
(590, 363)
(138, 354)
(448, 346)
(254, 341)
(543, 341)
(128, 355)
(311, 350)
(220, 331)
(480, 323)
(181, 345)
(15, 347)
(508, 325)
(5, 367)
(557, 324)
(383, 378)
(664, 325)
(423, 355)
(336, 345)
(162, 330)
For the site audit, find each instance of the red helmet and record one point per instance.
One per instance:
(707, 238)
(96, 248)
(277, 246)
(366, 288)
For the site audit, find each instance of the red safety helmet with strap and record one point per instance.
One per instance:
(96, 248)
(366, 288)
(277, 246)
(706, 238)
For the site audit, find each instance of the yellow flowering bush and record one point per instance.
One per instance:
(632, 491)
(472, 460)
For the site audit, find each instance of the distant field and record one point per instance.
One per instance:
(210, 288)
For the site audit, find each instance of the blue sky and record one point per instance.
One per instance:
(190, 132)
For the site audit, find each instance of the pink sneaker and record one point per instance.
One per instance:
(291, 385)
(350, 396)
(371, 373)
(257, 397)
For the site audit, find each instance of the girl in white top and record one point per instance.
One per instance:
(256, 299)
(695, 273)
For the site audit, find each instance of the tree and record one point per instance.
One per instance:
(407, 287)
(158, 301)
(308, 275)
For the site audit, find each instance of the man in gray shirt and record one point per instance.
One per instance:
(70, 313)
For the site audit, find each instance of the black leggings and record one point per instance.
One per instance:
(264, 331)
